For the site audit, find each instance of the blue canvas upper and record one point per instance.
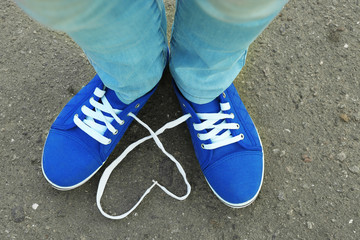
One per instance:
(70, 155)
(235, 171)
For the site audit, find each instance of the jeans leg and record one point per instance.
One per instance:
(210, 40)
(124, 40)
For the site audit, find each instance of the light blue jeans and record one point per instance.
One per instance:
(126, 43)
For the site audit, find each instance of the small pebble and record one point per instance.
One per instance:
(282, 153)
(310, 225)
(266, 72)
(276, 150)
(346, 45)
(345, 173)
(354, 169)
(351, 221)
(306, 158)
(344, 117)
(357, 116)
(281, 196)
(282, 30)
(35, 206)
(341, 156)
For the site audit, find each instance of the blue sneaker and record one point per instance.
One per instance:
(227, 146)
(85, 133)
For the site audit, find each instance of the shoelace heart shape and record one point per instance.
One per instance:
(101, 112)
(106, 174)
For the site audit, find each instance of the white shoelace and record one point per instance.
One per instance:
(210, 119)
(104, 178)
(94, 129)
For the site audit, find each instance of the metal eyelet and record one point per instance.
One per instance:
(109, 141)
(232, 116)
(202, 146)
(137, 105)
(122, 122)
(198, 135)
(237, 126)
(76, 115)
(184, 105)
(224, 95)
(116, 132)
(242, 136)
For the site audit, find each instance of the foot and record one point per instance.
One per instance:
(227, 146)
(85, 133)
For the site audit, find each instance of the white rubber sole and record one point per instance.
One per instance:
(57, 187)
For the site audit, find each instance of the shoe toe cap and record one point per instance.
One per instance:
(67, 162)
(236, 179)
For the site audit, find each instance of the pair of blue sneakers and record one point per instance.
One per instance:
(89, 127)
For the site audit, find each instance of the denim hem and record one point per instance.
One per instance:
(193, 98)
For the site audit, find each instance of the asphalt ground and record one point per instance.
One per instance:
(300, 85)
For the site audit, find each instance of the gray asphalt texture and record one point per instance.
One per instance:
(300, 85)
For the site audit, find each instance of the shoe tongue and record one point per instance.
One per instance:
(211, 107)
(114, 100)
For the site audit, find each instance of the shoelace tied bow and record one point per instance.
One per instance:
(218, 132)
(96, 131)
